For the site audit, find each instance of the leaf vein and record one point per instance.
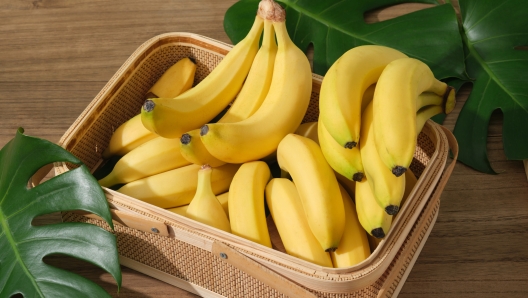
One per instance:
(485, 16)
(36, 200)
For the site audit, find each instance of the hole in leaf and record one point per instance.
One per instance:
(390, 12)
(310, 54)
(47, 219)
(17, 296)
(42, 174)
(521, 48)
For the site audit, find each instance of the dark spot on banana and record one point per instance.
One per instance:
(378, 233)
(392, 209)
(192, 60)
(398, 171)
(350, 145)
(331, 249)
(358, 176)
(185, 139)
(204, 130)
(149, 105)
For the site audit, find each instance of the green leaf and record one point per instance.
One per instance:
(23, 246)
(335, 26)
(492, 32)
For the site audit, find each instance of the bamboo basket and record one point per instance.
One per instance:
(213, 263)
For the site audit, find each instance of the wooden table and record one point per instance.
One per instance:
(56, 55)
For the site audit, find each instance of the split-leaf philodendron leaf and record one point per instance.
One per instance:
(335, 26)
(496, 37)
(23, 245)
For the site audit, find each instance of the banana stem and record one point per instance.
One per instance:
(271, 10)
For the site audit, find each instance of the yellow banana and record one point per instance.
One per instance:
(177, 187)
(372, 217)
(410, 182)
(204, 206)
(246, 202)
(249, 99)
(288, 215)
(395, 106)
(176, 80)
(317, 186)
(424, 114)
(280, 114)
(346, 162)
(309, 130)
(373, 242)
(343, 87)
(347, 184)
(354, 246)
(182, 210)
(388, 189)
(171, 118)
(153, 157)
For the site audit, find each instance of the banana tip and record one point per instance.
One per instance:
(449, 100)
(398, 171)
(331, 249)
(392, 209)
(378, 233)
(192, 60)
(358, 176)
(185, 139)
(204, 130)
(149, 105)
(350, 145)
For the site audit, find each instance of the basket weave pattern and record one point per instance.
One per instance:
(122, 98)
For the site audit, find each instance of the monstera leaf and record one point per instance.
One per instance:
(496, 37)
(335, 26)
(23, 246)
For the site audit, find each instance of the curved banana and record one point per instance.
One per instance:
(410, 182)
(204, 206)
(343, 87)
(223, 199)
(347, 184)
(354, 246)
(170, 118)
(177, 187)
(388, 189)
(246, 202)
(288, 215)
(346, 162)
(424, 114)
(129, 135)
(317, 186)
(249, 99)
(280, 114)
(372, 217)
(153, 157)
(182, 210)
(175, 80)
(395, 106)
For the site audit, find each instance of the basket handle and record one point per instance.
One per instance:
(386, 289)
(258, 271)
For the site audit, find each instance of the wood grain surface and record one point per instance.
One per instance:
(55, 56)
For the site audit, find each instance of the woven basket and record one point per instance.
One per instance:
(213, 263)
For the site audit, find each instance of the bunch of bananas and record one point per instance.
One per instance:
(373, 103)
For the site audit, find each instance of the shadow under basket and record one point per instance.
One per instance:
(213, 263)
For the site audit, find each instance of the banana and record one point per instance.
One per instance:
(170, 118)
(373, 242)
(182, 210)
(288, 215)
(309, 130)
(281, 112)
(346, 162)
(246, 202)
(249, 99)
(177, 187)
(372, 217)
(410, 182)
(175, 80)
(395, 106)
(347, 184)
(388, 189)
(204, 206)
(343, 87)
(424, 114)
(194, 151)
(317, 186)
(129, 135)
(153, 157)
(354, 246)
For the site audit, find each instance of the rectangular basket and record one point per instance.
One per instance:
(186, 253)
